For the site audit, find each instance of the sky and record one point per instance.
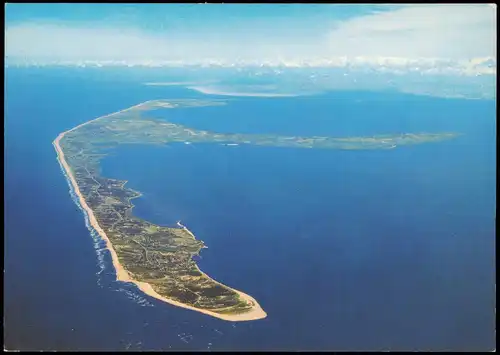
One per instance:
(257, 34)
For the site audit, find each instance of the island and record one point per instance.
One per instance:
(159, 259)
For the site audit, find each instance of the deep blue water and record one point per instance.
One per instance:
(344, 250)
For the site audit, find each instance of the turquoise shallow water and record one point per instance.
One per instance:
(344, 250)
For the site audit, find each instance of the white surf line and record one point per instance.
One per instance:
(99, 243)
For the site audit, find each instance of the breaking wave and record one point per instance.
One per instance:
(134, 296)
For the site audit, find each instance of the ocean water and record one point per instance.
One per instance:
(345, 250)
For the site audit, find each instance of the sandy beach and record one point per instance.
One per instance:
(222, 92)
(121, 274)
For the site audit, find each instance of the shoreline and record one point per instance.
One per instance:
(214, 91)
(122, 275)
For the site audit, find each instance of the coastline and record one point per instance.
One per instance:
(122, 275)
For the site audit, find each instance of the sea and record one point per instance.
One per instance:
(344, 250)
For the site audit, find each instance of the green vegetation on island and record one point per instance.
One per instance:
(163, 256)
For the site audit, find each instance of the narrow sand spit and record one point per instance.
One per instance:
(121, 274)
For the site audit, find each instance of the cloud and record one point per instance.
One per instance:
(42, 41)
(419, 31)
(402, 37)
